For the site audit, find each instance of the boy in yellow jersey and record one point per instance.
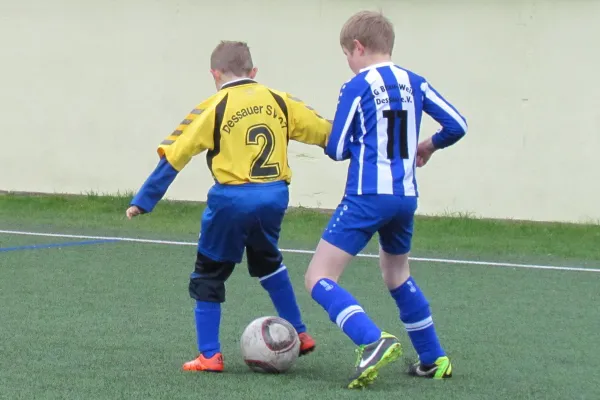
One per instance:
(245, 128)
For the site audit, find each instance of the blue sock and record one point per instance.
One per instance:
(344, 310)
(416, 316)
(208, 319)
(280, 289)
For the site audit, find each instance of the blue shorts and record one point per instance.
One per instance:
(358, 217)
(244, 217)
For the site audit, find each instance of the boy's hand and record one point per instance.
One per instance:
(424, 152)
(133, 211)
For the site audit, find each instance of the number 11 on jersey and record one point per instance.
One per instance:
(397, 118)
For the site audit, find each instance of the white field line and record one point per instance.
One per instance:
(299, 251)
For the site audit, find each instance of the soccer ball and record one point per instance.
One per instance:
(270, 345)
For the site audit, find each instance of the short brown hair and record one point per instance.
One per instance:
(232, 58)
(371, 29)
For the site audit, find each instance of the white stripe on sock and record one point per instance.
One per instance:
(346, 313)
(349, 316)
(281, 269)
(420, 325)
(420, 329)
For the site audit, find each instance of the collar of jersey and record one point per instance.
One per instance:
(238, 82)
(383, 64)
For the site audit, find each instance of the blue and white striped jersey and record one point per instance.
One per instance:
(377, 125)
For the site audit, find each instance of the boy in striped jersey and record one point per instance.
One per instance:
(376, 127)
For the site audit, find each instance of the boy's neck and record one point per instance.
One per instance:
(374, 59)
(231, 79)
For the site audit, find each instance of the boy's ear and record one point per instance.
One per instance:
(253, 73)
(358, 46)
(216, 74)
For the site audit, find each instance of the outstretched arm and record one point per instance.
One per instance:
(153, 190)
(191, 137)
(307, 126)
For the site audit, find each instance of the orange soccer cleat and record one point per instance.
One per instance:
(213, 364)
(307, 343)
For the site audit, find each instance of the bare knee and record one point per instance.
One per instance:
(328, 262)
(310, 280)
(315, 272)
(394, 268)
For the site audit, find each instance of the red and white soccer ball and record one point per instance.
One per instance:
(270, 344)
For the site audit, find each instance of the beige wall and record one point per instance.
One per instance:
(88, 89)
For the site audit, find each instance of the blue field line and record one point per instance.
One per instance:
(54, 245)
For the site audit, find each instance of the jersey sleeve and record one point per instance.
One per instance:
(306, 125)
(338, 146)
(454, 125)
(155, 187)
(193, 135)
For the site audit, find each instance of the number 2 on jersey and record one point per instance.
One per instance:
(397, 117)
(261, 168)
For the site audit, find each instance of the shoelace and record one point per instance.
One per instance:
(359, 351)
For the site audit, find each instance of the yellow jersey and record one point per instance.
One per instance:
(245, 128)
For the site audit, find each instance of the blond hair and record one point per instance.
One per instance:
(232, 58)
(374, 31)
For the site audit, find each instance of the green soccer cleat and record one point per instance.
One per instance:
(441, 369)
(372, 357)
